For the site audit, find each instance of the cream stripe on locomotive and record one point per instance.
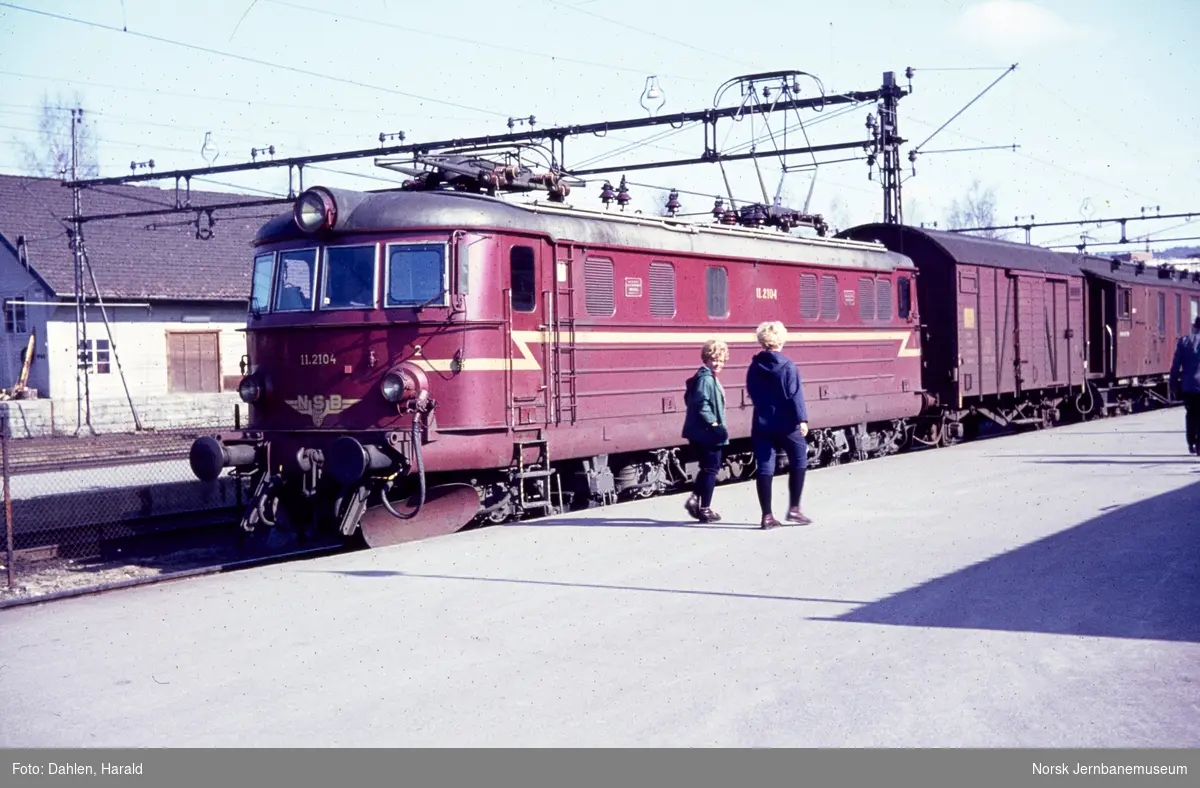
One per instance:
(527, 362)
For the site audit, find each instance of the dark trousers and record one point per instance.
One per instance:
(765, 447)
(1191, 404)
(706, 477)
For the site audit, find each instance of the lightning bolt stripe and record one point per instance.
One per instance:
(528, 363)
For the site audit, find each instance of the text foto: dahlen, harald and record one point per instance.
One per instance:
(85, 769)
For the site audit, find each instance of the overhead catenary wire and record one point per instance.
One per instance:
(256, 61)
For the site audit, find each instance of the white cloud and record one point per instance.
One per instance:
(1013, 27)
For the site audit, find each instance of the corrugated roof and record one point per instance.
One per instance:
(131, 259)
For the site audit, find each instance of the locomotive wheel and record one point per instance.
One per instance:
(447, 509)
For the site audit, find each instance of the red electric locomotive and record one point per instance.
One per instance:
(486, 359)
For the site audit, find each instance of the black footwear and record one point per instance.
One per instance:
(768, 522)
(692, 505)
(709, 516)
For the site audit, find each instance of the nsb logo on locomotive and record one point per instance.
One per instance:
(318, 407)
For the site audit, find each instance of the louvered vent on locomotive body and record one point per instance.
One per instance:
(662, 290)
(600, 295)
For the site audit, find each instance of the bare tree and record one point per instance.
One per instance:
(839, 219)
(50, 157)
(976, 209)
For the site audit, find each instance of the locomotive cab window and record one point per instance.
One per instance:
(524, 289)
(294, 290)
(260, 290)
(416, 275)
(349, 277)
(903, 298)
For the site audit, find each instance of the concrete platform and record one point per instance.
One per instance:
(1038, 590)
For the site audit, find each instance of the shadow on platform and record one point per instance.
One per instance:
(636, 522)
(1133, 572)
(387, 573)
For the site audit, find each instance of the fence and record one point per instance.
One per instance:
(88, 510)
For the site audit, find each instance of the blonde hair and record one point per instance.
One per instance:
(714, 350)
(772, 334)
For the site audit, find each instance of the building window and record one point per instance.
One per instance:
(95, 356)
(717, 292)
(524, 282)
(14, 317)
(193, 362)
(599, 289)
(662, 289)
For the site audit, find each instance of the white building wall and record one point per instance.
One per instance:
(18, 283)
(140, 336)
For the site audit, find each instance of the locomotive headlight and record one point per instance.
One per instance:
(250, 389)
(392, 387)
(314, 210)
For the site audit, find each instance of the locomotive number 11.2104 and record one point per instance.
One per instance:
(313, 359)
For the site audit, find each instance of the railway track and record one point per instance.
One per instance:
(65, 453)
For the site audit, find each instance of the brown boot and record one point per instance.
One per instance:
(707, 515)
(768, 522)
(692, 505)
(794, 515)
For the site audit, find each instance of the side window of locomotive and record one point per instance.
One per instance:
(349, 277)
(260, 290)
(1178, 314)
(416, 275)
(903, 297)
(1123, 302)
(1162, 314)
(294, 285)
(810, 297)
(524, 279)
(717, 292)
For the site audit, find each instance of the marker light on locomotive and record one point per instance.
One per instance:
(392, 387)
(315, 210)
(252, 388)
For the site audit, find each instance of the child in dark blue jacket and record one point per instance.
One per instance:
(780, 421)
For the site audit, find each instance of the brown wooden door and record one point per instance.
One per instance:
(193, 362)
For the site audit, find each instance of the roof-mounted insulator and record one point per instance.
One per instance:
(607, 194)
(673, 204)
(623, 197)
(718, 208)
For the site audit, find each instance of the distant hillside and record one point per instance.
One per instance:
(1178, 251)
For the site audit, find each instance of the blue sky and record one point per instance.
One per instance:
(1103, 103)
